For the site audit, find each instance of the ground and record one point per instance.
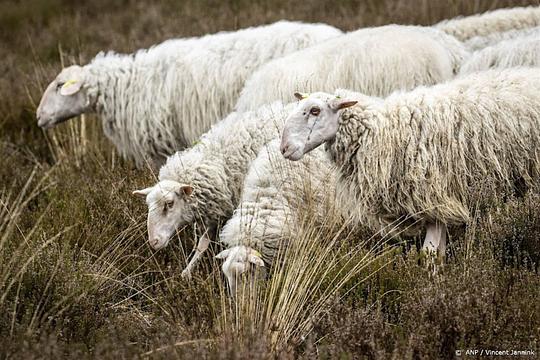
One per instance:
(77, 278)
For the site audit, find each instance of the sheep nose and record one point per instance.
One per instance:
(154, 242)
(283, 148)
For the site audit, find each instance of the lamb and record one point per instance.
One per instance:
(374, 61)
(415, 155)
(156, 101)
(496, 21)
(481, 42)
(523, 51)
(202, 185)
(276, 193)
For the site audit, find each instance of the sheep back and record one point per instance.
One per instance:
(156, 101)
(496, 21)
(375, 61)
(481, 42)
(505, 54)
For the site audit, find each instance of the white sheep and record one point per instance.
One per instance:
(202, 185)
(496, 21)
(415, 155)
(522, 51)
(276, 194)
(374, 61)
(481, 42)
(154, 102)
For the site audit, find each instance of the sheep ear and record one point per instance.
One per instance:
(301, 96)
(255, 260)
(254, 257)
(186, 190)
(70, 87)
(143, 192)
(223, 254)
(339, 104)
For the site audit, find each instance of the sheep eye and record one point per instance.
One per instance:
(168, 205)
(315, 111)
(59, 85)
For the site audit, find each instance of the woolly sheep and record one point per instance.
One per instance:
(496, 21)
(157, 101)
(481, 42)
(202, 185)
(375, 61)
(523, 51)
(415, 155)
(275, 193)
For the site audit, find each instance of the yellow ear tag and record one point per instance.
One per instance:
(305, 96)
(256, 253)
(69, 83)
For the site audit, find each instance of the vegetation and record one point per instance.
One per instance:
(77, 278)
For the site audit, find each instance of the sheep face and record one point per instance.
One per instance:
(170, 206)
(237, 260)
(65, 97)
(313, 122)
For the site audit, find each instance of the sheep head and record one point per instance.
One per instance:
(313, 122)
(66, 96)
(170, 206)
(237, 260)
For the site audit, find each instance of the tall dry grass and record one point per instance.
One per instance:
(18, 256)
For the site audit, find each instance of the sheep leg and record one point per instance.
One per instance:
(442, 243)
(202, 245)
(435, 241)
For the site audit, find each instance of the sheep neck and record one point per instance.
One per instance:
(343, 147)
(135, 107)
(107, 82)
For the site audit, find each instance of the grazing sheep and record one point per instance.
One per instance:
(481, 42)
(157, 101)
(523, 51)
(276, 193)
(415, 155)
(374, 61)
(202, 185)
(496, 21)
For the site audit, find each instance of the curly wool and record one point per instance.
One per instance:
(523, 51)
(415, 155)
(276, 193)
(481, 42)
(156, 101)
(217, 165)
(496, 21)
(375, 61)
